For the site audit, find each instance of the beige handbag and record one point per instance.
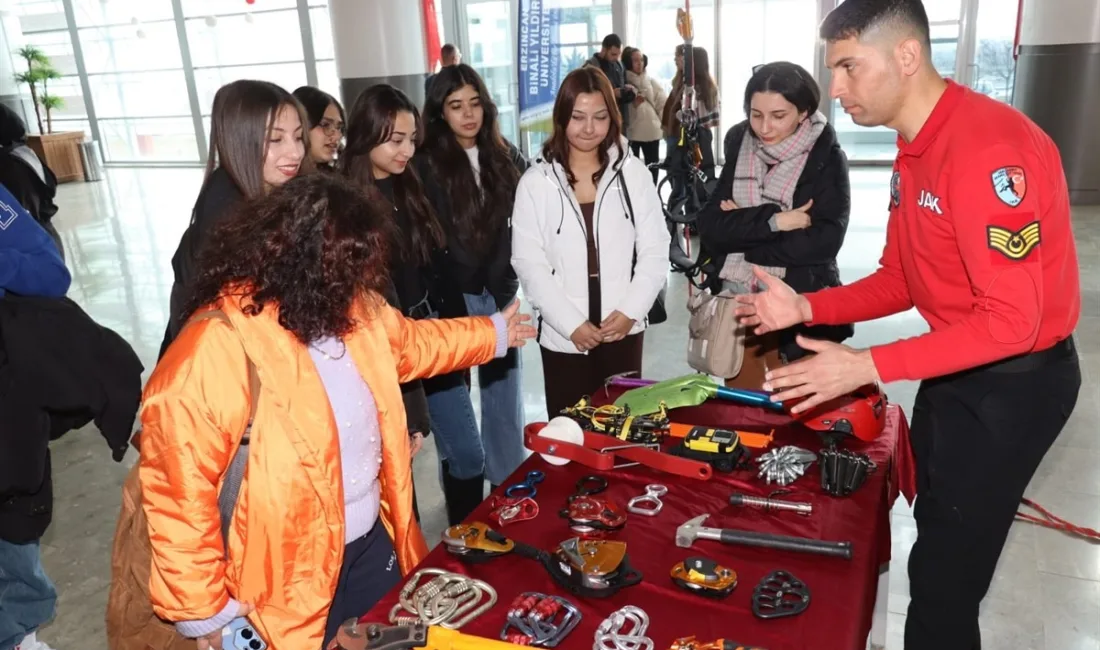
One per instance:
(716, 342)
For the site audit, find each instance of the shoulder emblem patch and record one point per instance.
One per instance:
(1010, 185)
(895, 189)
(1014, 245)
(7, 215)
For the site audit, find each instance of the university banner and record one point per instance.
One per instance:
(539, 57)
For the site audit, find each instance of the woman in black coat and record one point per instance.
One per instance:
(471, 173)
(782, 202)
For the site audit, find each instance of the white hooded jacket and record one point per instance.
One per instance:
(550, 253)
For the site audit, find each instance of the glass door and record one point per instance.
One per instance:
(487, 41)
(991, 65)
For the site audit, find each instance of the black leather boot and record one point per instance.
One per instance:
(461, 496)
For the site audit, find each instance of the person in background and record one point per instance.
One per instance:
(30, 265)
(471, 174)
(644, 126)
(28, 178)
(589, 243)
(979, 240)
(384, 128)
(782, 202)
(323, 524)
(258, 141)
(609, 60)
(327, 125)
(448, 56)
(707, 111)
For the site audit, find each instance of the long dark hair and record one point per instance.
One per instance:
(706, 91)
(241, 121)
(308, 249)
(588, 79)
(370, 125)
(478, 212)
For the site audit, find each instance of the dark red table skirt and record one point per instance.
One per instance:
(842, 592)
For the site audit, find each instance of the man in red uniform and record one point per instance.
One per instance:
(979, 241)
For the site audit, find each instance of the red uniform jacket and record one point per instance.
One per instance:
(979, 241)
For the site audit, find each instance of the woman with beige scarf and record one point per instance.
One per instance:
(782, 202)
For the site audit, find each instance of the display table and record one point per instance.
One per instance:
(843, 592)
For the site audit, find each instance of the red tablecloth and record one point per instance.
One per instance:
(842, 592)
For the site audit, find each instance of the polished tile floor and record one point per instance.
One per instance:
(120, 234)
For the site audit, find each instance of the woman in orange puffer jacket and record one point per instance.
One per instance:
(323, 525)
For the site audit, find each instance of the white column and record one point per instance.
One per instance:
(379, 41)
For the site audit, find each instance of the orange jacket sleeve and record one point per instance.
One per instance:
(195, 399)
(883, 293)
(1001, 249)
(431, 347)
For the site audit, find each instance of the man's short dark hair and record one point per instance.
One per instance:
(853, 18)
(612, 41)
(447, 51)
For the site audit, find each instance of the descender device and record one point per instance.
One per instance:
(705, 577)
(590, 568)
(592, 516)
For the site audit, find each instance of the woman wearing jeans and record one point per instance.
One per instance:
(471, 174)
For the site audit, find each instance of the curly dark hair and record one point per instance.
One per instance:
(307, 249)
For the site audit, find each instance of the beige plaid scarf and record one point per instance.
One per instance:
(768, 174)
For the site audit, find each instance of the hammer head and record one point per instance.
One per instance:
(687, 532)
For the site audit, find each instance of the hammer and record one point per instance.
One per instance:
(693, 529)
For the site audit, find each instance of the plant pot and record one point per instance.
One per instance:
(61, 151)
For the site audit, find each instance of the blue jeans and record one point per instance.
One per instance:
(497, 450)
(27, 597)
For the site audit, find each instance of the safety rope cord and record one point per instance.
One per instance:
(624, 630)
(1055, 522)
(449, 600)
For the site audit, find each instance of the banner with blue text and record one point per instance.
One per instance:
(539, 56)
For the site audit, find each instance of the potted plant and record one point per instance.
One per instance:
(60, 151)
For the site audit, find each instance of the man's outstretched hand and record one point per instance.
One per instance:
(833, 370)
(776, 308)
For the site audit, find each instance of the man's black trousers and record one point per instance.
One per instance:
(978, 437)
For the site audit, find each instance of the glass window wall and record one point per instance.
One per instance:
(137, 78)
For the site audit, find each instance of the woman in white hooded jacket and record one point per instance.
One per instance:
(589, 243)
(644, 129)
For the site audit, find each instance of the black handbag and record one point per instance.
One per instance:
(657, 313)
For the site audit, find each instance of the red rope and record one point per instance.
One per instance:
(1057, 523)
